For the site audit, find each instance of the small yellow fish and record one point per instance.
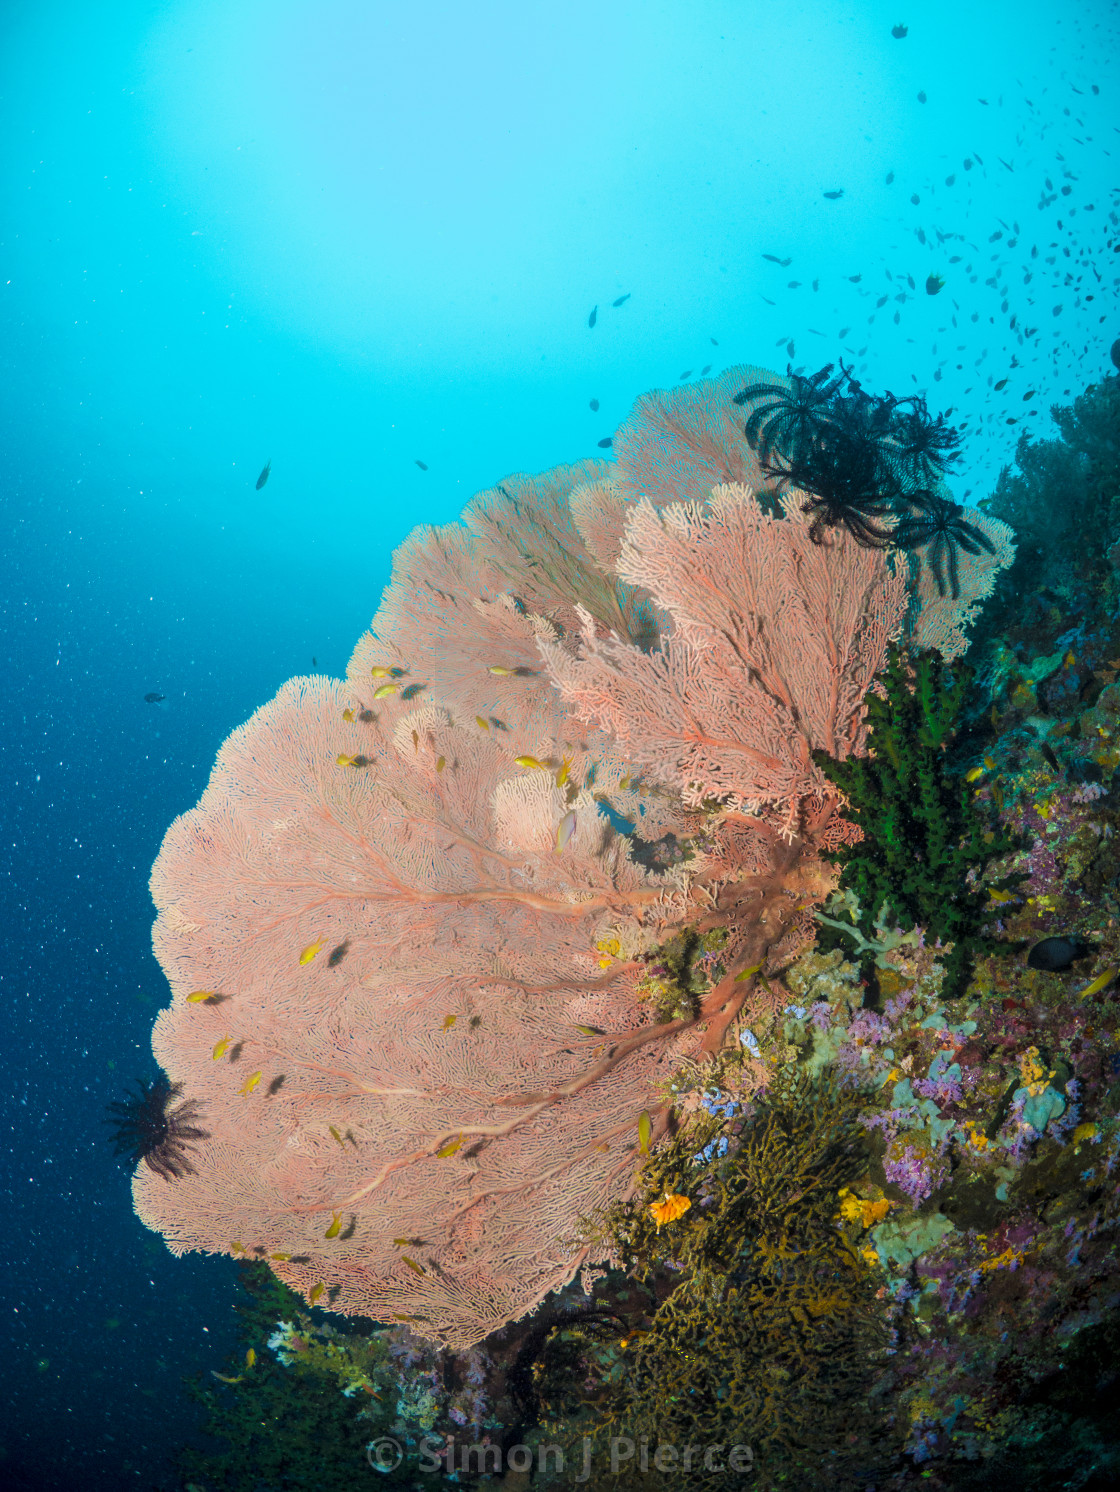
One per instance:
(502, 673)
(345, 761)
(336, 1226)
(337, 1136)
(416, 740)
(221, 1048)
(1069, 660)
(280, 1258)
(412, 1264)
(224, 1378)
(441, 763)
(201, 996)
(449, 1021)
(565, 829)
(989, 763)
(671, 1207)
(250, 1085)
(1098, 983)
(416, 1243)
(310, 951)
(624, 783)
(315, 1292)
(591, 1031)
(997, 794)
(378, 672)
(385, 689)
(482, 724)
(974, 774)
(562, 775)
(645, 1130)
(348, 716)
(604, 1147)
(251, 1355)
(236, 1247)
(450, 1148)
(748, 973)
(530, 761)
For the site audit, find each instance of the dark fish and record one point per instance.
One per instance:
(914, 198)
(899, 31)
(890, 177)
(621, 301)
(834, 196)
(1114, 353)
(1002, 162)
(594, 406)
(707, 368)
(154, 699)
(773, 258)
(922, 97)
(606, 443)
(421, 464)
(686, 374)
(1056, 954)
(591, 320)
(713, 341)
(1052, 760)
(338, 954)
(314, 663)
(855, 279)
(263, 478)
(934, 284)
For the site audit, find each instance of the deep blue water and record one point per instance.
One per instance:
(348, 237)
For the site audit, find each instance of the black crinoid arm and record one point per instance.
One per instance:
(940, 524)
(158, 1126)
(867, 463)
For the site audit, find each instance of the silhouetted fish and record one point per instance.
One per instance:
(1055, 954)
(263, 478)
(605, 445)
(421, 464)
(899, 31)
(154, 699)
(591, 320)
(621, 301)
(594, 406)
(834, 196)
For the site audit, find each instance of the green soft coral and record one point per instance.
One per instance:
(927, 843)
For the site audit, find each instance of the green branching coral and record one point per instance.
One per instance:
(927, 843)
(768, 1330)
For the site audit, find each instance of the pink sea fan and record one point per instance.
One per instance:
(775, 642)
(676, 445)
(401, 925)
(425, 909)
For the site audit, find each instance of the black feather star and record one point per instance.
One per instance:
(156, 1126)
(867, 463)
(940, 523)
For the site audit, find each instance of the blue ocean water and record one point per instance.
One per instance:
(349, 239)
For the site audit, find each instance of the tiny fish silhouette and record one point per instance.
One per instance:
(606, 443)
(773, 258)
(263, 478)
(591, 320)
(834, 196)
(421, 464)
(899, 31)
(594, 406)
(621, 301)
(154, 699)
